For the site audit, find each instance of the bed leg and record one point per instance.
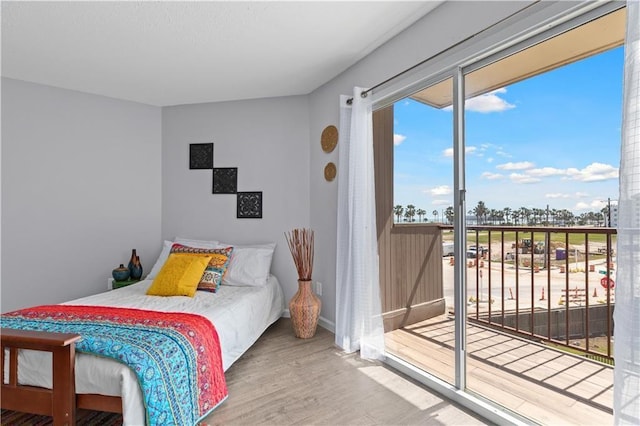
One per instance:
(64, 386)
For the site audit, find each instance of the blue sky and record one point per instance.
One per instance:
(553, 139)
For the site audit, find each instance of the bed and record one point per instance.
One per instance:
(252, 307)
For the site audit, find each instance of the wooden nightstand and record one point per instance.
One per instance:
(113, 284)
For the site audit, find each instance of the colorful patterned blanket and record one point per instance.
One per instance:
(175, 356)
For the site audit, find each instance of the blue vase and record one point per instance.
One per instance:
(135, 267)
(121, 273)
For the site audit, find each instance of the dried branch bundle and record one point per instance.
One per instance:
(301, 246)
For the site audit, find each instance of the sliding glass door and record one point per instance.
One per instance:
(490, 168)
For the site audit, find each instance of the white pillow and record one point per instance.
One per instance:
(196, 243)
(249, 265)
(164, 254)
(166, 250)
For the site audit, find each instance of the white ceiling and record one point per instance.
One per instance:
(172, 53)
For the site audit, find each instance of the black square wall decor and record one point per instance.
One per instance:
(225, 180)
(249, 205)
(201, 156)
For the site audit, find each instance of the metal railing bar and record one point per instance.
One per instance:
(577, 323)
(586, 290)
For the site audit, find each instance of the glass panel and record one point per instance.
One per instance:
(542, 159)
(422, 237)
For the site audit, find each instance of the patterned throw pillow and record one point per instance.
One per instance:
(212, 276)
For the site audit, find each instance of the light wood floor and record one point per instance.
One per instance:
(543, 384)
(283, 380)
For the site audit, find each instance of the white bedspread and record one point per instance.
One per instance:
(240, 315)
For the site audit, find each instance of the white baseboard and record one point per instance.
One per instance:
(322, 322)
(327, 325)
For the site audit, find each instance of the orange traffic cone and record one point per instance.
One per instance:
(542, 297)
(595, 292)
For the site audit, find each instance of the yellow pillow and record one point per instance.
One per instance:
(179, 275)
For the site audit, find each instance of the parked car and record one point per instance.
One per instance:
(474, 252)
(447, 249)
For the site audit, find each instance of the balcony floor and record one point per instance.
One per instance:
(540, 383)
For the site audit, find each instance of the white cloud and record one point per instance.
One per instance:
(596, 205)
(522, 178)
(546, 171)
(489, 102)
(564, 195)
(492, 176)
(594, 172)
(599, 204)
(469, 150)
(490, 160)
(398, 139)
(522, 165)
(439, 190)
(502, 153)
(581, 206)
(441, 202)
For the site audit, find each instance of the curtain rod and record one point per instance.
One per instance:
(365, 93)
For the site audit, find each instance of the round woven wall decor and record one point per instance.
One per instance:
(329, 138)
(330, 172)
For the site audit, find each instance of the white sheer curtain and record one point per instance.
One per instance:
(626, 390)
(358, 309)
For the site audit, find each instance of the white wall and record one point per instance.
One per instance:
(268, 141)
(81, 187)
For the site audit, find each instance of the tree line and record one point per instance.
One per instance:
(507, 216)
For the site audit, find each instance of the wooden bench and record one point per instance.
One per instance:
(61, 401)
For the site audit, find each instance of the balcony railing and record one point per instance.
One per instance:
(553, 285)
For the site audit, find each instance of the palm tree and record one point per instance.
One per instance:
(435, 215)
(398, 210)
(606, 214)
(495, 216)
(525, 213)
(582, 219)
(410, 212)
(507, 212)
(449, 214)
(480, 211)
(543, 217)
(535, 212)
(516, 217)
(420, 213)
(567, 217)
